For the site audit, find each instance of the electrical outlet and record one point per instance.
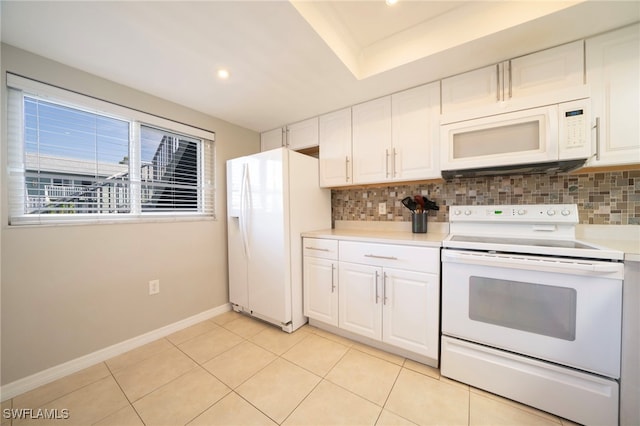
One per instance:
(154, 287)
(382, 208)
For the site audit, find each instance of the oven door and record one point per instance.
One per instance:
(556, 309)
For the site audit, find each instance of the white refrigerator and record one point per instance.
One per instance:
(272, 197)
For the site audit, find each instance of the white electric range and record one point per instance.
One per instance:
(531, 313)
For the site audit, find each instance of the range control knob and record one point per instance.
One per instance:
(551, 212)
(566, 212)
(521, 212)
(467, 212)
(457, 212)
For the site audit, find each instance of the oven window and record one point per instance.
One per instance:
(536, 308)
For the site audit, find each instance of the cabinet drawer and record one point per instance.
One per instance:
(318, 247)
(423, 259)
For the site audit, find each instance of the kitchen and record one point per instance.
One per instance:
(347, 204)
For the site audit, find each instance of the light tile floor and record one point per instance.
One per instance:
(234, 370)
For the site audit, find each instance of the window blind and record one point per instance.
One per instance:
(70, 163)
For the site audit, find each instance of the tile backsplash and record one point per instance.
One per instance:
(602, 197)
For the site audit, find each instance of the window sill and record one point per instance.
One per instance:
(96, 219)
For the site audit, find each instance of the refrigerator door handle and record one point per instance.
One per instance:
(244, 209)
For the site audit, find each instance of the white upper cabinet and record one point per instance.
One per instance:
(470, 90)
(372, 141)
(415, 130)
(396, 137)
(271, 139)
(549, 74)
(335, 149)
(613, 72)
(552, 69)
(303, 134)
(296, 136)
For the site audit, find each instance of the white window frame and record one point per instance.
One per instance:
(19, 87)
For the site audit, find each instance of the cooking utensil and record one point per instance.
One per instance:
(429, 205)
(409, 203)
(419, 199)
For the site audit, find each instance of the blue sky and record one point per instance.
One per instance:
(52, 129)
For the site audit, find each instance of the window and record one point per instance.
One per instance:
(71, 161)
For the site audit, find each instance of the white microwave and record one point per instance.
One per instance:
(558, 134)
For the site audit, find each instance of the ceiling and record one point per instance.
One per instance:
(292, 60)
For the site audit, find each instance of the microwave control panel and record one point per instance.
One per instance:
(574, 129)
(575, 125)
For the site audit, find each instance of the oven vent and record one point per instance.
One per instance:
(517, 169)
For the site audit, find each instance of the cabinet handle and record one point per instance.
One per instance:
(333, 284)
(384, 288)
(386, 163)
(597, 127)
(285, 137)
(315, 248)
(376, 284)
(395, 171)
(381, 257)
(498, 82)
(510, 82)
(346, 167)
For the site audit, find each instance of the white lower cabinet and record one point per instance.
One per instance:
(389, 293)
(360, 310)
(410, 311)
(320, 289)
(320, 279)
(395, 306)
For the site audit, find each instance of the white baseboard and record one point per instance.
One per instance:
(54, 373)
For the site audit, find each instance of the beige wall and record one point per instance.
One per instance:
(67, 291)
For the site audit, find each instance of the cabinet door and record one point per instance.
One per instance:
(360, 306)
(613, 67)
(471, 90)
(335, 148)
(372, 141)
(552, 69)
(271, 139)
(415, 133)
(411, 311)
(303, 134)
(320, 289)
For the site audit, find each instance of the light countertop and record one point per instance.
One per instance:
(384, 232)
(625, 238)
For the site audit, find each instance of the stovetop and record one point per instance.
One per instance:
(540, 229)
(522, 242)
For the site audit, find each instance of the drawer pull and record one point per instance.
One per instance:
(318, 249)
(381, 257)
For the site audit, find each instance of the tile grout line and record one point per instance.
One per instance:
(322, 378)
(391, 390)
(123, 393)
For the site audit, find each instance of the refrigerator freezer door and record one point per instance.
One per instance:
(269, 277)
(238, 277)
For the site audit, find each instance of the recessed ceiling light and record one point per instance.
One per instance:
(223, 74)
(390, 2)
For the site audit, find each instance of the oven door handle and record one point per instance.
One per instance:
(536, 263)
